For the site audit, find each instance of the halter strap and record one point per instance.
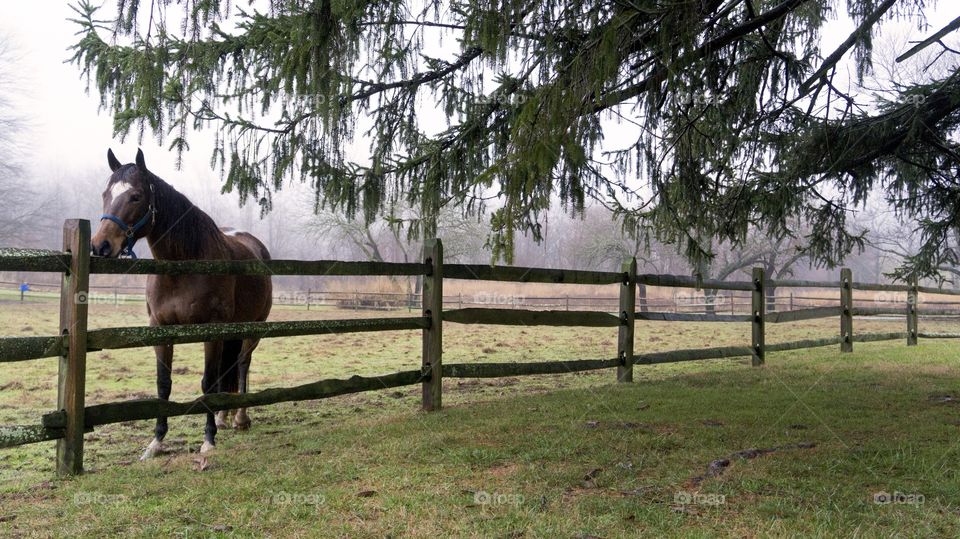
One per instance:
(131, 231)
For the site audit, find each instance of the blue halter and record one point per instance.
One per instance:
(131, 231)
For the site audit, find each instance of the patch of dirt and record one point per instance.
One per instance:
(617, 425)
(504, 470)
(944, 399)
(717, 467)
(11, 385)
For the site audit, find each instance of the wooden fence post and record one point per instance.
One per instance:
(759, 304)
(432, 336)
(913, 298)
(628, 308)
(73, 362)
(846, 310)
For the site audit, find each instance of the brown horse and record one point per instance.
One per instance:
(138, 204)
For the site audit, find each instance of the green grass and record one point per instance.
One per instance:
(567, 456)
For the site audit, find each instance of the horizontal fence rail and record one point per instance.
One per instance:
(682, 281)
(802, 314)
(131, 337)
(73, 418)
(115, 412)
(26, 348)
(252, 267)
(690, 317)
(518, 274)
(497, 370)
(519, 317)
(33, 260)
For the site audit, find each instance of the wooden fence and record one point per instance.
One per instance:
(73, 417)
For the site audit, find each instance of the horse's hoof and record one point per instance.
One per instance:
(207, 448)
(154, 449)
(241, 423)
(221, 422)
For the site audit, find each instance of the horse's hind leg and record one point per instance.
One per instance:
(241, 421)
(212, 352)
(164, 355)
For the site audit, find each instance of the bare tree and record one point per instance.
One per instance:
(778, 258)
(19, 202)
(895, 241)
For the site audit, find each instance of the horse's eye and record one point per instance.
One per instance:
(134, 198)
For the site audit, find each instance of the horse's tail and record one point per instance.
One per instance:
(229, 373)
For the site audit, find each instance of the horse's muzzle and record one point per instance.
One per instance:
(104, 249)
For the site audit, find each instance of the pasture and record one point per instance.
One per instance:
(571, 455)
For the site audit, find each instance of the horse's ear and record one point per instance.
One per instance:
(113, 161)
(140, 162)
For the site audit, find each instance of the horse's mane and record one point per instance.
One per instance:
(182, 230)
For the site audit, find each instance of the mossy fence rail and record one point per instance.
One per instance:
(73, 418)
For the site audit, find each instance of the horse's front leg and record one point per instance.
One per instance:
(164, 355)
(213, 352)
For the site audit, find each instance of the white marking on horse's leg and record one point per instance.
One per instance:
(154, 449)
(206, 447)
(221, 419)
(241, 421)
(119, 188)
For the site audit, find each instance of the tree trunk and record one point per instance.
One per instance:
(709, 299)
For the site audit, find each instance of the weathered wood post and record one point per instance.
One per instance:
(309, 293)
(846, 310)
(643, 298)
(628, 309)
(759, 305)
(433, 336)
(73, 361)
(913, 298)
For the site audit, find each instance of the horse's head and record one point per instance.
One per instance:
(128, 208)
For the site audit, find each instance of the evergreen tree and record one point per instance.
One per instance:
(740, 123)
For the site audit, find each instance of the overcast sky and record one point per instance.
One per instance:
(67, 129)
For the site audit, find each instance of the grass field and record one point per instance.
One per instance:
(566, 456)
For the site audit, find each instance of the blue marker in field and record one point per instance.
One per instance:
(24, 288)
